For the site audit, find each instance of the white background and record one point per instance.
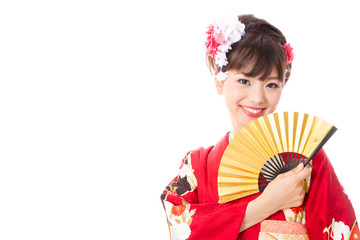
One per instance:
(100, 101)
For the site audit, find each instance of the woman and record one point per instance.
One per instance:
(251, 61)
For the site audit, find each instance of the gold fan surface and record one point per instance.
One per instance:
(261, 140)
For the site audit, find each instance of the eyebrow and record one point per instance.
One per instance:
(273, 78)
(269, 78)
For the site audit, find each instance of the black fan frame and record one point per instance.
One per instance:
(287, 161)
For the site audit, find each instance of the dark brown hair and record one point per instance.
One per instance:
(260, 49)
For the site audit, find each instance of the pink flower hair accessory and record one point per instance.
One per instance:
(222, 33)
(288, 52)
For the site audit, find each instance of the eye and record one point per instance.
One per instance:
(244, 82)
(272, 85)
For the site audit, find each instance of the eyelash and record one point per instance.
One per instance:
(247, 82)
(274, 85)
(244, 81)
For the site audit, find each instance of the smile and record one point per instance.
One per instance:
(252, 112)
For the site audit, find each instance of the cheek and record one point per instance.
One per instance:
(233, 94)
(274, 98)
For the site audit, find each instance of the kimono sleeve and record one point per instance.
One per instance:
(190, 219)
(329, 212)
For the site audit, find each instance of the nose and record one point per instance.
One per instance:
(257, 95)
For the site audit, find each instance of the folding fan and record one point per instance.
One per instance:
(267, 147)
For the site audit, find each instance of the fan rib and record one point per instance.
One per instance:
(258, 139)
(278, 162)
(235, 180)
(263, 137)
(271, 133)
(268, 169)
(304, 121)
(263, 122)
(243, 163)
(320, 132)
(326, 138)
(230, 197)
(267, 147)
(311, 128)
(272, 166)
(279, 134)
(251, 145)
(295, 123)
(286, 125)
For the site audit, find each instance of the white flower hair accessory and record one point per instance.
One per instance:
(222, 33)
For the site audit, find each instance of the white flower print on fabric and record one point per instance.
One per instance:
(186, 181)
(337, 230)
(187, 171)
(179, 218)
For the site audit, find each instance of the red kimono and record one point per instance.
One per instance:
(193, 212)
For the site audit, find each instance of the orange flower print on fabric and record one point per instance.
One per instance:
(178, 210)
(355, 232)
(295, 214)
(297, 210)
(179, 218)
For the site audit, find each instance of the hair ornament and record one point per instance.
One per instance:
(222, 33)
(288, 52)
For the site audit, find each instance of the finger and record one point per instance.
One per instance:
(303, 174)
(299, 168)
(296, 170)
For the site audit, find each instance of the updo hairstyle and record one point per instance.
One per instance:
(260, 49)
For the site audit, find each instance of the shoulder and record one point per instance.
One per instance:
(205, 163)
(321, 160)
(202, 155)
(197, 161)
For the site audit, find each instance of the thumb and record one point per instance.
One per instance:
(295, 170)
(298, 168)
(303, 174)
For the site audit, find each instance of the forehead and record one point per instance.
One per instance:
(251, 70)
(257, 59)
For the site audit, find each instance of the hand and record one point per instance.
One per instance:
(286, 190)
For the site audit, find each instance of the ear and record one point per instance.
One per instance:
(218, 84)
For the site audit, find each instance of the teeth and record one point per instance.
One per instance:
(252, 110)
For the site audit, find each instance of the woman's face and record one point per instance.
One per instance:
(248, 98)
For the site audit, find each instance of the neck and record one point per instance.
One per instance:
(236, 128)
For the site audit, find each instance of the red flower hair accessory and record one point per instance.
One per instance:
(288, 52)
(211, 43)
(221, 34)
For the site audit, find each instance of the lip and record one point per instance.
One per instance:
(252, 112)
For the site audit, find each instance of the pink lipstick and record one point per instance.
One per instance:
(252, 112)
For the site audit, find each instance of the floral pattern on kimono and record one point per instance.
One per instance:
(282, 230)
(338, 230)
(297, 214)
(193, 210)
(191, 200)
(329, 212)
(179, 216)
(355, 232)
